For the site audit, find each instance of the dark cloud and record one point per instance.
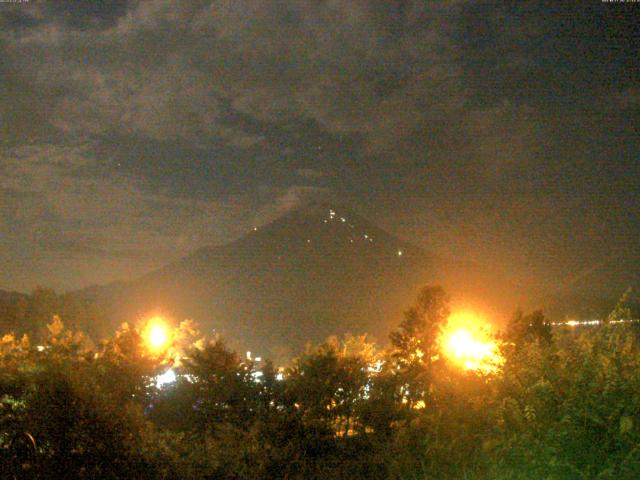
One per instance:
(85, 15)
(180, 123)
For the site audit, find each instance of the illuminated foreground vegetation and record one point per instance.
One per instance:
(439, 402)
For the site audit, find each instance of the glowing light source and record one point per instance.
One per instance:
(156, 334)
(467, 343)
(166, 378)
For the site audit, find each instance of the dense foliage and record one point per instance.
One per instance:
(565, 404)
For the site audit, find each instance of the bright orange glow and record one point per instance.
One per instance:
(467, 342)
(419, 405)
(156, 334)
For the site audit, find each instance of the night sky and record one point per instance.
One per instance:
(132, 133)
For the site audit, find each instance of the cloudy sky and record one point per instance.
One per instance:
(132, 132)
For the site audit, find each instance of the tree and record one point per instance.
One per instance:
(328, 385)
(222, 385)
(57, 396)
(415, 343)
(528, 328)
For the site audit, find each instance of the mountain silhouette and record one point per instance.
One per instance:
(316, 271)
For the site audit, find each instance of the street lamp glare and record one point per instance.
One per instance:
(157, 335)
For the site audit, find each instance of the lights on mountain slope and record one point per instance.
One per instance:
(366, 237)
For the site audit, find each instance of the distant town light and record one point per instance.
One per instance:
(166, 378)
(582, 323)
(376, 367)
(419, 405)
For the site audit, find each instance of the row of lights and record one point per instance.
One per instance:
(580, 323)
